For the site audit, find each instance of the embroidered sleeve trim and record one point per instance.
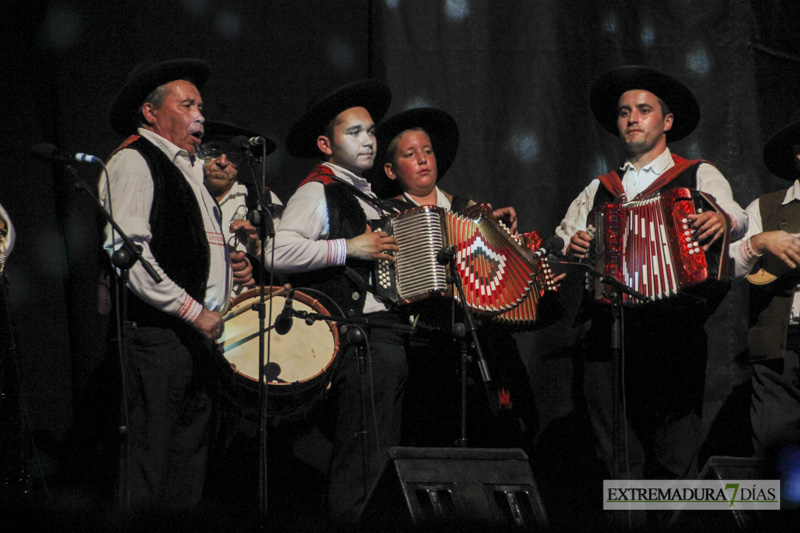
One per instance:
(190, 309)
(337, 252)
(747, 254)
(215, 238)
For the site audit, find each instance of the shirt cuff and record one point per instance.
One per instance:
(337, 252)
(747, 255)
(190, 309)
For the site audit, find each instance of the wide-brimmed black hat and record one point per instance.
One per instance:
(779, 153)
(440, 126)
(372, 95)
(145, 77)
(218, 130)
(610, 85)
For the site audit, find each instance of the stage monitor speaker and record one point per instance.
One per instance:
(453, 488)
(720, 468)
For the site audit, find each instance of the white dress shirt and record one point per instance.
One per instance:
(234, 207)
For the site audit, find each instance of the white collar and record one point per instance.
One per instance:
(657, 165)
(238, 189)
(171, 150)
(792, 194)
(358, 181)
(441, 199)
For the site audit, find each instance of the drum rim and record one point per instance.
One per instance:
(313, 303)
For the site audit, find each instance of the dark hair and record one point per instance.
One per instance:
(665, 110)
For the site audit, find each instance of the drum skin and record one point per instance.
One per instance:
(298, 365)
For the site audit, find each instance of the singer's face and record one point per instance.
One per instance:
(353, 143)
(219, 175)
(642, 123)
(413, 163)
(180, 117)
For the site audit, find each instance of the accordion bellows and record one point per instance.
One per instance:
(649, 245)
(496, 272)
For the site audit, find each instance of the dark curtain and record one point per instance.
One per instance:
(515, 74)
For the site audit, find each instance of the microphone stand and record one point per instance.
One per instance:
(354, 328)
(261, 219)
(123, 259)
(446, 256)
(615, 297)
(130, 252)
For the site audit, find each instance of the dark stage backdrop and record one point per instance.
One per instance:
(515, 74)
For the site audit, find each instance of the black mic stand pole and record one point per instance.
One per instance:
(357, 337)
(615, 297)
(123, 259)
(354, 328)
(261, 219)
(446, 256)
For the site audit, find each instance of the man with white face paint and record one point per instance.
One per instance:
(664, 350)
(324, 242)
(158, 198)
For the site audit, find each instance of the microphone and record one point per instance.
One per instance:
(553, 245)
(48, 152)
(446, 255)
(284, 321)
(243, 143)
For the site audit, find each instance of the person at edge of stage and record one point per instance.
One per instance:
(324, 243)
(769, 254)
(229, 177)
(664, 349)
(416, 149)
(158, 198)
(7, 238)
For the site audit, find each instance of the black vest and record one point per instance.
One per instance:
(347, 285)
(179, 242)
(771, 304)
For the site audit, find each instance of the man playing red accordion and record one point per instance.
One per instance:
(664, 349)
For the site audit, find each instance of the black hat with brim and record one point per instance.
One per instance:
(217, 130)
(143, 79)
(779, 153)
(372, 95)
(610, 85)
(440, 126)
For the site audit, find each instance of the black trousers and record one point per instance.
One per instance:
(383, 375)
(500, 415)
(775, 407)
(661, 394)
(169, 407)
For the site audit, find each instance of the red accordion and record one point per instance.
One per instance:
(649, 245)
(498, 274)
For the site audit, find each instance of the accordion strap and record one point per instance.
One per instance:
(374, 201)
(613, 183)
